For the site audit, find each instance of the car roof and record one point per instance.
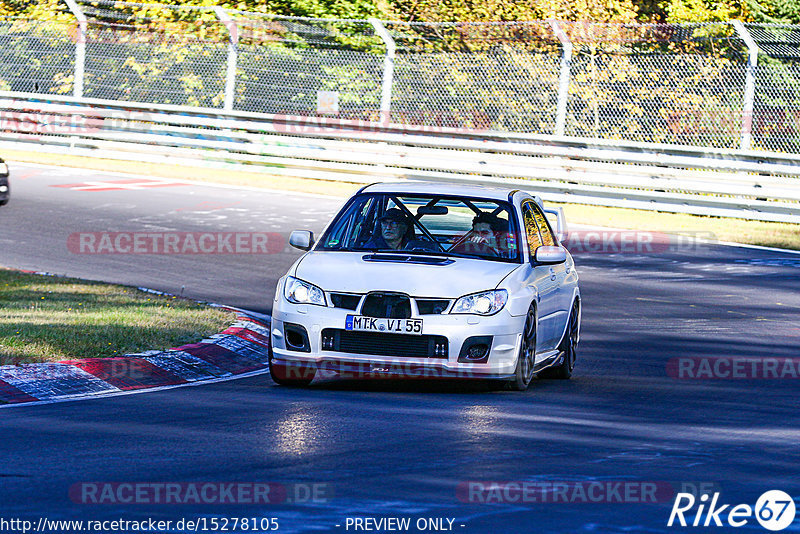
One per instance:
(441, 188)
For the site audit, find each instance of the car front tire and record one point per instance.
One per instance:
(527, 354)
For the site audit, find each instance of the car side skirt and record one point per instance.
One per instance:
(552, 358)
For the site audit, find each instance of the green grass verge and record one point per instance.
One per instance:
(46, 318)
(724, 229)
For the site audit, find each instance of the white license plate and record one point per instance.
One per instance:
(387, 326)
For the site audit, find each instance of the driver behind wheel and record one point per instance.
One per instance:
(393, 231)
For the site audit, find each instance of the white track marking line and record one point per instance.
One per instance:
(190, 182)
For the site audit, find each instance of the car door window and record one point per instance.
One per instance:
(531, 228)
(544, 227)
(354, 227)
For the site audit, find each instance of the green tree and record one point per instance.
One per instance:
(511, 10)
(351, 9)
(341, 9)
(768, 11)
(774, 11)
(703, 10)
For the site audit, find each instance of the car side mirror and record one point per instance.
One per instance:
(302, 239)
(545, 255)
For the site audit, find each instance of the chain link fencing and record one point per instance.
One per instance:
(36, 57)
(693, 84)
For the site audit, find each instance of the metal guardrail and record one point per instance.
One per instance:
(719, 182)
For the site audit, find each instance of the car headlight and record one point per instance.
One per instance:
(484, 303)
(3, 168)
(301, 292)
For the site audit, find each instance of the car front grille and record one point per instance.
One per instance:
(432, 306)
(375, 308)
(380, 344)
(386, 305)
(347, 301)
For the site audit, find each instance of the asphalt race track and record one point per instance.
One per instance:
(42, 215)
(416, 450)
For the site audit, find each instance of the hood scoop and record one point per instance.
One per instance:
(407, 258)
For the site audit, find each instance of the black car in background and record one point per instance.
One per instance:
(5, 192)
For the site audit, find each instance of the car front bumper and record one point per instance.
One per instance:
(503, 328)
(4, 189)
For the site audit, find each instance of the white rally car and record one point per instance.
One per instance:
(4, 188)
(429, 280)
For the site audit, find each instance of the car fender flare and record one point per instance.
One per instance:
(520, 294)
(576, 298)
(518, 304)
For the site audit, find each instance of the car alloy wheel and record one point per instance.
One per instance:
(527, 353)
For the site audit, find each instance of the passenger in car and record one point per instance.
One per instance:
(487, 237)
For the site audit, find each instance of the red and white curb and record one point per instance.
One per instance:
(239, 350)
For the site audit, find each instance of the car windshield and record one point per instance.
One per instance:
(426, 224)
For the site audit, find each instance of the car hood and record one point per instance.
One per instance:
(349, 272)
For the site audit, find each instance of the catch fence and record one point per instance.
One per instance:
(718, 85)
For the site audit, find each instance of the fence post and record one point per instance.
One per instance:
(388, 69)
(749, 85)
(563, 77)
(80, 48)
(233, 56)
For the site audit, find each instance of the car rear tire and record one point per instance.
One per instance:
(290, 376)
(523, 374)
(568, 348)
